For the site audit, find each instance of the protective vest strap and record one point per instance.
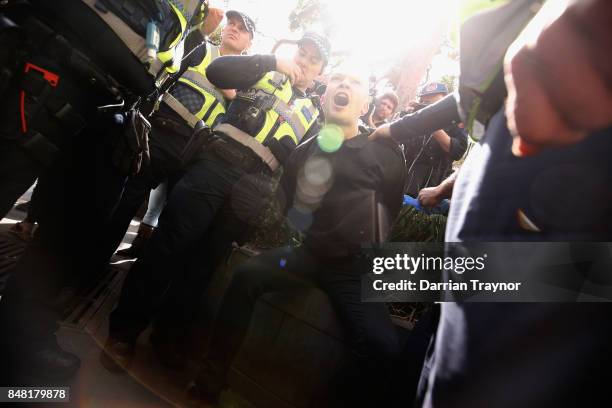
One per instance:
(137, 43)
(201, 81)
(195, 78)
(179, 108)
(133, 41)
(243, 138)
(291, 117)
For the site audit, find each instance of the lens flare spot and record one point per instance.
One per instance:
(330, 138)
(318, 171)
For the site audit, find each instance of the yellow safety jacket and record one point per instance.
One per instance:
(285, 117)
(169, 55)
(213, 104)
(294, 117)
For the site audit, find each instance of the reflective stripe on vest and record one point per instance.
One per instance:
(195, 77)
(184, 10)
(179, 108)
(297, 115)
(263, 152)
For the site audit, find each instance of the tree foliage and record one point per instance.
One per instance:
(449, 81)
(308, 15)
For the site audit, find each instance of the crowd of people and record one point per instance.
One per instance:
(109, 106)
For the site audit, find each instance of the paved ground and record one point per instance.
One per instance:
(84, 331)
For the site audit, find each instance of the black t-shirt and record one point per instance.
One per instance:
(428, 163)
(336, 198)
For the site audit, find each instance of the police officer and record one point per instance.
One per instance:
(77, 60)
(42, 106)
(429, 157)
(191, 100)
(269, 117)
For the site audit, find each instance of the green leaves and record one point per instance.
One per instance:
(413, 225)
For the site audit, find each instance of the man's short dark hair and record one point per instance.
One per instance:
(392, 96)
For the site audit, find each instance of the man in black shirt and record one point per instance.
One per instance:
(335, 181)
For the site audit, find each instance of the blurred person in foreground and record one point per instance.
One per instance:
(553, 131)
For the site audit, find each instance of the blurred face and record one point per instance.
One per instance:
(429, 99)
(310, 61)
(384, 108)
(346, 99)
(235, 36)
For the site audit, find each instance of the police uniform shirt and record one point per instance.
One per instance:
(337, 215)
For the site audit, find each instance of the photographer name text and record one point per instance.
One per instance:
(405, 263)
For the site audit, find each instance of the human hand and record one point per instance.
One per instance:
(559, 76)
(212, 20)
(289, 68)
(429, 197)
(383, 131)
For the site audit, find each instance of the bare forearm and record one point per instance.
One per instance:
(446, 187)
(443, 139)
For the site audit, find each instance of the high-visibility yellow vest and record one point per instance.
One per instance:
(294, 117)
(169, 55)
(213, 103)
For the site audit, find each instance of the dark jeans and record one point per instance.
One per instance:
(368, 326)
(211, 206)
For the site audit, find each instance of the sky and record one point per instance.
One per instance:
(375, 31)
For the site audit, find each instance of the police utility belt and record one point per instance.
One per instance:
(241, 149)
